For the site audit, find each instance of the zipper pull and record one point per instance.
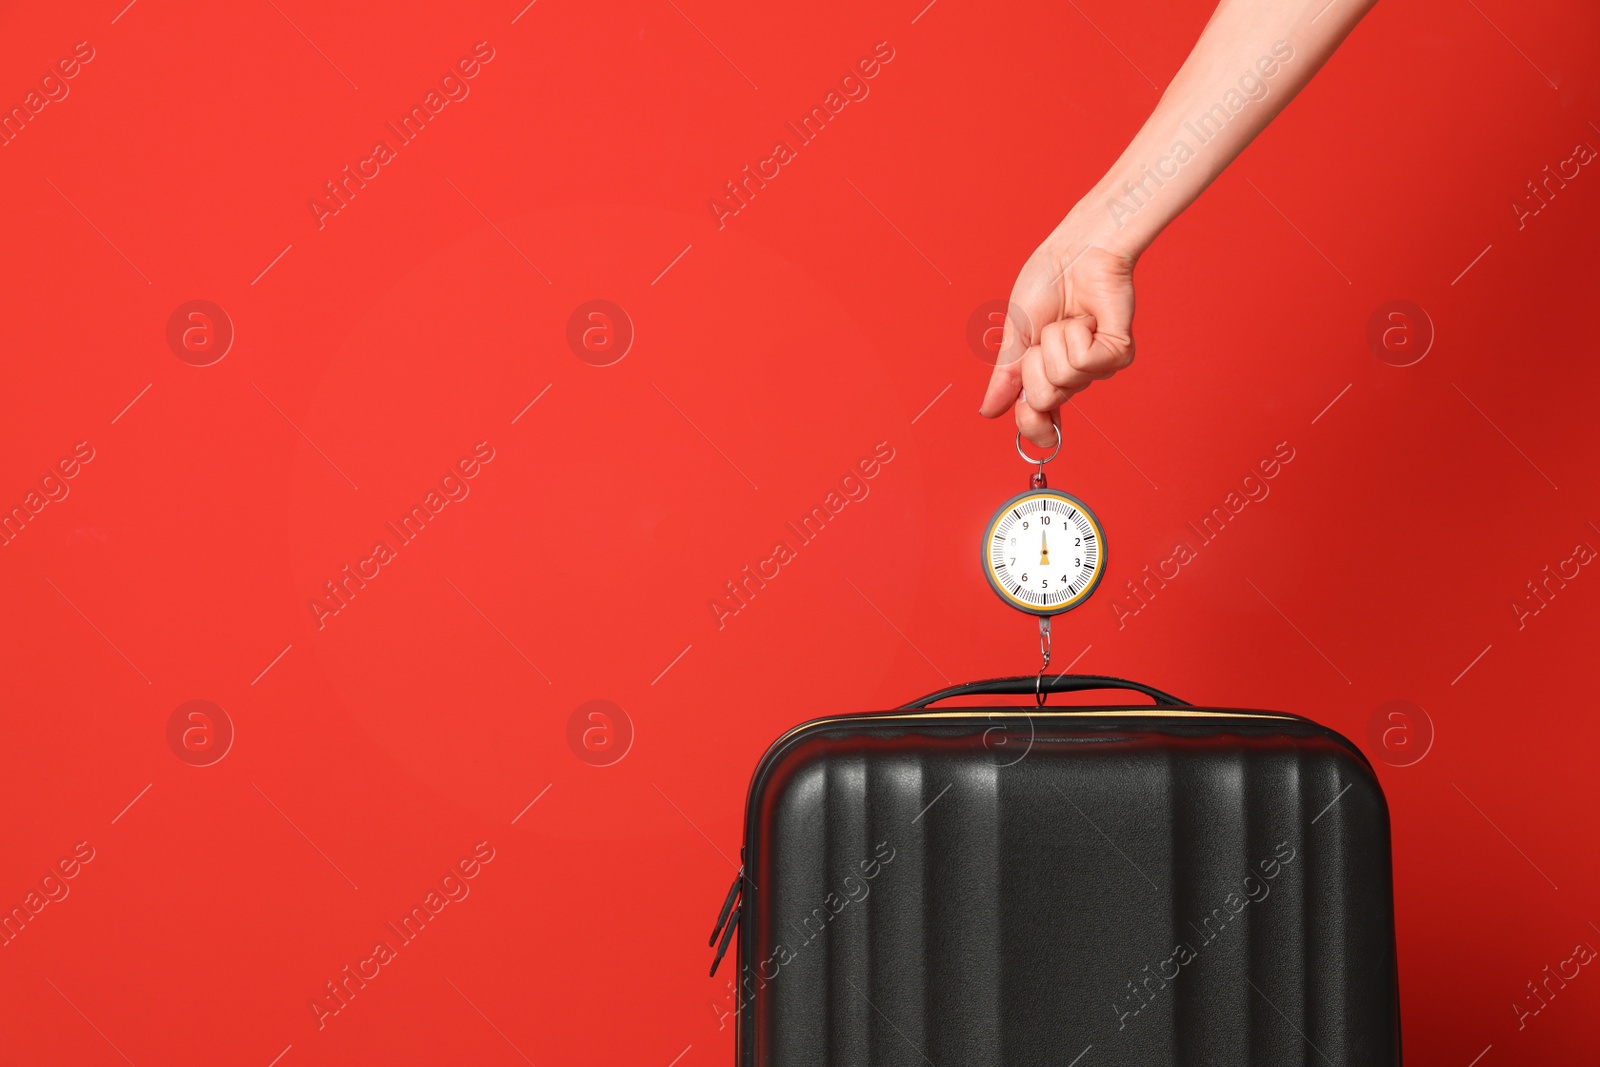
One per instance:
(727, 919)
(727, 905)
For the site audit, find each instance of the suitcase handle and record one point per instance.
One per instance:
(1053, 683)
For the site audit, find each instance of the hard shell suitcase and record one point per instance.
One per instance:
(1078, 887)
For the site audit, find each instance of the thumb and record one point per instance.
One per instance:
(1025, 317)
(1005, 385)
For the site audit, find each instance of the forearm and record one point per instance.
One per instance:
(1250, 61)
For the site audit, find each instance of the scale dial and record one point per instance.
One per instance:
(1044, 552)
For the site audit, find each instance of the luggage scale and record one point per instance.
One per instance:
(1043, 553)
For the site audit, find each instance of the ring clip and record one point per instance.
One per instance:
(1037, 480)
(1036, 460)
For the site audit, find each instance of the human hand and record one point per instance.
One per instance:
(1070, 323)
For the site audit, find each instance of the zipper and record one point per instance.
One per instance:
(1157, 712)
(728, 917)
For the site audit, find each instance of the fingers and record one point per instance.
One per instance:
(1042, 393)
(1077, 351)
(1063, 364)
(1094, 351)
(1056, 362)
(1036, 408)
(1100, 342)
(1037, 426)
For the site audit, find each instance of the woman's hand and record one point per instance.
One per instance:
(1070, 323)
(1071, 316)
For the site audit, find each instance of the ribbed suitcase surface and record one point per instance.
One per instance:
(963, 889)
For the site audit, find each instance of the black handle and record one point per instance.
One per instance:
(1053, 683)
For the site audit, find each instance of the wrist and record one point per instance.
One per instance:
(1094, 223)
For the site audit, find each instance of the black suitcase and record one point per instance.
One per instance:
(1077, 887)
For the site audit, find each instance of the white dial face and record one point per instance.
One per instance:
(1044, 553)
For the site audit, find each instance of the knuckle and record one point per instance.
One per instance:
(1088, 361)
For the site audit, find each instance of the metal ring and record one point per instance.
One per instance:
(1034, 461)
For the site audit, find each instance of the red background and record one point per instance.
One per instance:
(828, 315)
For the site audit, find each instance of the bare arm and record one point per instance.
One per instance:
(1071, 321)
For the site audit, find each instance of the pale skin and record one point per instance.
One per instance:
(1071, 322)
